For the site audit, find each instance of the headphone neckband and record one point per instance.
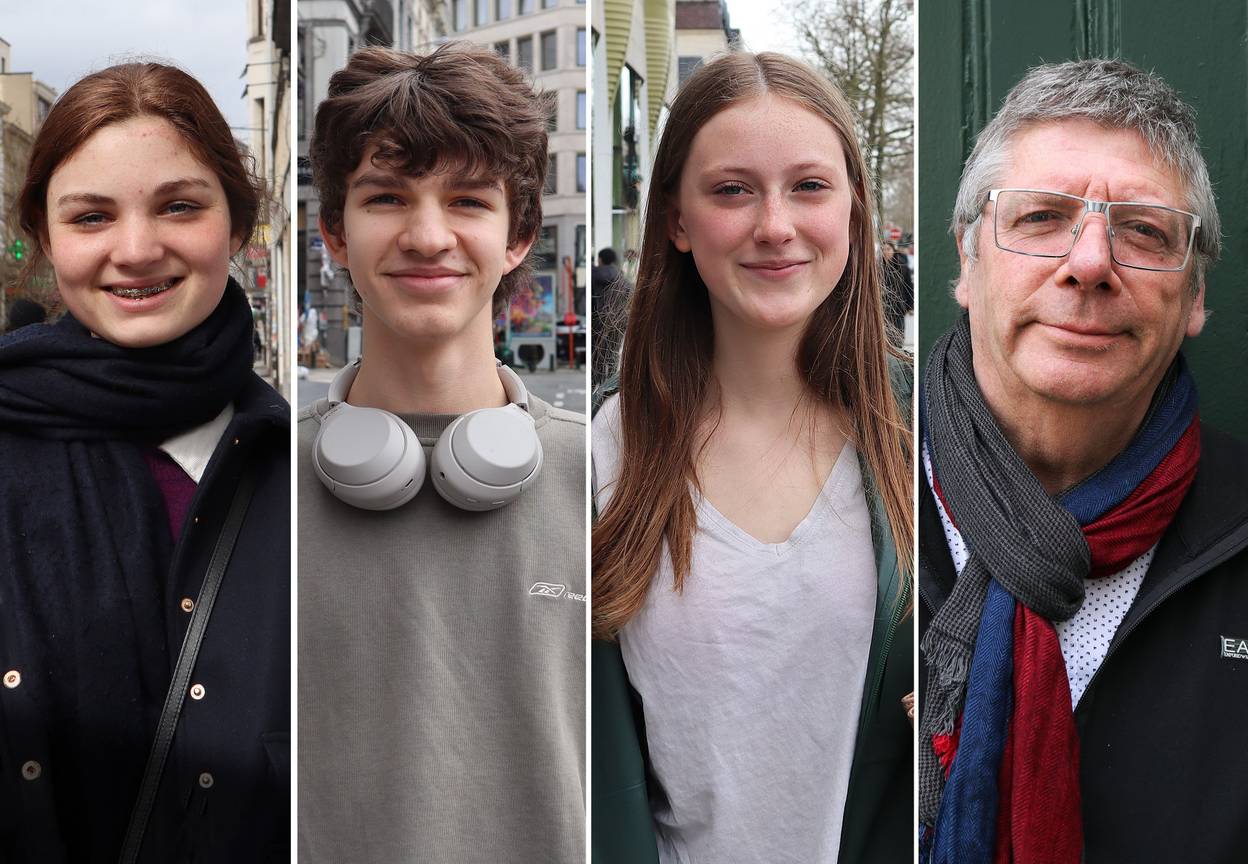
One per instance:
(517, 393)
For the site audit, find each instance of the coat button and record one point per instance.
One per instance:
(31, 770)
(12, 678)
(205, 780)
(197, 691)
(188, 605)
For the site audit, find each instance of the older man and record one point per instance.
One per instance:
(1083, 537)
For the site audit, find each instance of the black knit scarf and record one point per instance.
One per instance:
(84, 541)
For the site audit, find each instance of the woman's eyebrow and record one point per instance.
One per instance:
(807, 165)
(169, 187)
(181, 184)
(83, 198)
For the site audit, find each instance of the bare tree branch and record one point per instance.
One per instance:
(866, 47)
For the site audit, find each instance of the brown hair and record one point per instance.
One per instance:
(461, 108)
(121, 93)
(665, 371)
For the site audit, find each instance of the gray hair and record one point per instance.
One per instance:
(1114, 94)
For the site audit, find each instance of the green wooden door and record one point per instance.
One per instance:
(971, 53)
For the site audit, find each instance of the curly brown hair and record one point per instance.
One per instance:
(461, 108)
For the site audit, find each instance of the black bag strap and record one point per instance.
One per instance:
(176, 696)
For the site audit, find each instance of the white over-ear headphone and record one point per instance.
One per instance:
(371, 459)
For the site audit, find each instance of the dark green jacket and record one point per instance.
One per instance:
(878, 822)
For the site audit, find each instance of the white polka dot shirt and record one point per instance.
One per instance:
(1085, 637)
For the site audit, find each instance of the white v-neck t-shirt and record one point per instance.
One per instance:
(751, 679)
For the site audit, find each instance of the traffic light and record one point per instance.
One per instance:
(17, 249)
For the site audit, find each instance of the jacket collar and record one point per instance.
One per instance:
(1210, 526)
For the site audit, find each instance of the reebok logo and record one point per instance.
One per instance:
(1233, 648)
(553, 591)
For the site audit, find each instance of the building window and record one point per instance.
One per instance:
(580, 246)
(483, 12)
(549, 4)
(502, 10)
(552, 184)
(546, 249)
(503, 49)
(628, 128)
(686, 67)
(580, 109)
(580, 172)
(525, 7)
(552, 115)
(461, 15)
(524, 53)
(580, 46)
(550, 51)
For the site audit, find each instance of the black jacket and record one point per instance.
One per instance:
(225, 796)
(1163, 725)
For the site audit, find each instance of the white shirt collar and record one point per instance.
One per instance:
(192, 449)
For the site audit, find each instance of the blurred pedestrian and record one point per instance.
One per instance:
(609, 290)
(24, 311)
(898, 289)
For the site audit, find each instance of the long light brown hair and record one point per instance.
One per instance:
(665, 369)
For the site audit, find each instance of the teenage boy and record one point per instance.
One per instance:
(441, 650)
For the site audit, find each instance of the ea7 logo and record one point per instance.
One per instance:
(1235, 649)
(546, 589)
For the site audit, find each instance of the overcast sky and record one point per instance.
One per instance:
(763, 24)
(62, 40)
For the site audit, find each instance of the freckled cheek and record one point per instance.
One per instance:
(718, 231)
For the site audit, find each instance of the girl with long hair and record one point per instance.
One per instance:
(144, 498)
(753, 485)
